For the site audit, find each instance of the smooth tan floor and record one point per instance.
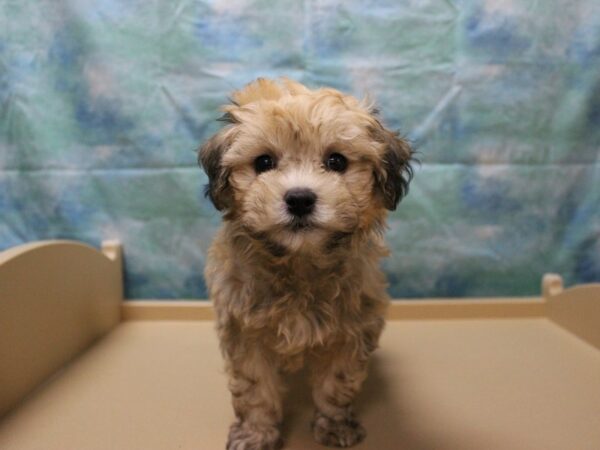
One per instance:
(448, 384)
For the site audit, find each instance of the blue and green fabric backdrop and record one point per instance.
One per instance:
(102, 105)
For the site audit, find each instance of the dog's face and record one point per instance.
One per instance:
(303, 169)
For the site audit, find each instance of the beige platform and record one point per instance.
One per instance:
(469, 374)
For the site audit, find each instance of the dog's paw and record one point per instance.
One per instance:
(244, 437)
(337, 433)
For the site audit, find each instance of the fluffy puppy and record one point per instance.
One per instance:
(303, 179)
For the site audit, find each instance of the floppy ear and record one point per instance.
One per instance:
(394, 175)
(210, 158)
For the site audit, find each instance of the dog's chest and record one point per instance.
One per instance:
(296, 333)
(303, 312)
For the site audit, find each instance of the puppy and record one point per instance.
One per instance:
(303, 179)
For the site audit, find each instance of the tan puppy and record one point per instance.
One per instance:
(304, 179)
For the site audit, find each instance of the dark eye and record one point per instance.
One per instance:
(264, 163)
(336, 162)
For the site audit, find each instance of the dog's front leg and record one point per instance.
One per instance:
(256, 390)
(335, 383)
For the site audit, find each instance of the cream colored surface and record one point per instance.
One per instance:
(485, 374)
(55, 299)
(458, 384)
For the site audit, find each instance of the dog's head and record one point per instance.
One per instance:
(299, 167)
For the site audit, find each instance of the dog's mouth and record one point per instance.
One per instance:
(299, 224)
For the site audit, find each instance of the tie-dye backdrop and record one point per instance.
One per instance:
(103, 103)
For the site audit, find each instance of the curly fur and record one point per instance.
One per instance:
(287, 297)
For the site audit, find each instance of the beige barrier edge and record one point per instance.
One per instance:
(509, 307)
(56, 298)
(576, 309)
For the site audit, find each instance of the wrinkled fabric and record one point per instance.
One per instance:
(102, 105)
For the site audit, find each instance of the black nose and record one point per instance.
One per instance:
(300, 201)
